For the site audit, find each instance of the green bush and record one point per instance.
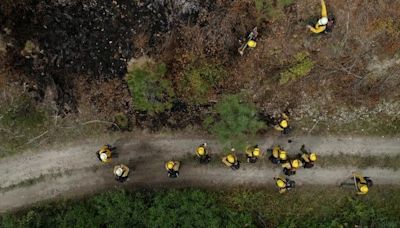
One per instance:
(173, 208)
(200, 80)
(302, 67)
(122, 121)
(235, 122)
(150, 91)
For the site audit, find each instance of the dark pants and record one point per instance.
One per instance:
(288, 172)
(173, 174)
(121, 179)
(236, 166)
(252, 159)
(205, 159)
(274, 160)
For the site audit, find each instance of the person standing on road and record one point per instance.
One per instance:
(253, 153)
(203, 154)
(172, 168)
(231, 160)
(278, 155)
(290, 167)
(105, 153)
(284, 184)
(307, 158)
(121, 172)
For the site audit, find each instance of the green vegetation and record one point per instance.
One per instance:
(306, 206)
(272, 9)
(184, 208)
(20, 121)
(122, 121)
(302, 67)
(150, 91)
(236, 121)
(200, 80)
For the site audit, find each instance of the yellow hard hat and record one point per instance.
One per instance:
(256, 152)
(170, 165)
(230, 158)
(252, 43)
(295, 163)
(283, 155)
(313, 157)
(284, 123)
(200, 150)
(280, 183)
(364, 189)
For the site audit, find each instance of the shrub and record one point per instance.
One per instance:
(236, 120)
(122, 121)
(150, 91)
(200, 80)
(302, 67)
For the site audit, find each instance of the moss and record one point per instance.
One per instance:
(122, 121)
(302, 66)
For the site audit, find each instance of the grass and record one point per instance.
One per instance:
(20, 121)
(374, 126)
(200, 80)
(150, 91)
(302, 67)
(305, 206)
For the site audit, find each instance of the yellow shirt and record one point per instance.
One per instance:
(320, 28)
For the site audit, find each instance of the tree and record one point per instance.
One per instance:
(235, 122)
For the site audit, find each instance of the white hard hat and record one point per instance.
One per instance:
(323, 21)
(103, 156)
(118, 172)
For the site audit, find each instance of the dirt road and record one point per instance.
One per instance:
(74, 170)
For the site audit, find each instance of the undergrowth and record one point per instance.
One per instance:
(151, 91)
(305, 206)
(302, 66)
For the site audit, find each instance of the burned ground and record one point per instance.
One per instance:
(81, 50)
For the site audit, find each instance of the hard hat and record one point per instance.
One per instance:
(256, 152)
(119, 171)
(283, 155)
(103, 157)
(280, 183)
(295, 163)
(170, 165)
(252, 43)
(200, 150)
(323, 21)
(284, 123)
(313, 157)
(364, 189)
(230, 158)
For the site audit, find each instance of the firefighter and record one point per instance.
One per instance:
(307, 158)
(121, 172)
(172, 168)
(231, 160)
(284, 184)
(253, 153)
(278, 155)
(362, 183)
(322, 22)
(202, 153)
(282, 124)
(105, 153)
(290, 167)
